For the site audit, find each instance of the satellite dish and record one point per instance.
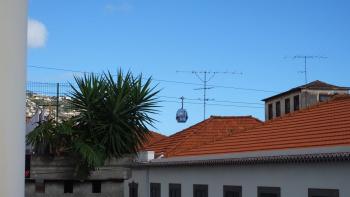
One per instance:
(181, 114)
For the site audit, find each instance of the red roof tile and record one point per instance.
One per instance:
(209, 130)
(153, 138)
(326, 124)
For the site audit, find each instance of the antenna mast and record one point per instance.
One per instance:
(205, 78)
(305, 57)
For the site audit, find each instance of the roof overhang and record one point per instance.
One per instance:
(308, 155)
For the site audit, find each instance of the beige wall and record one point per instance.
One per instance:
(307, 98)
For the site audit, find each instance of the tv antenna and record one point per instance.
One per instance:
(205, 76)
(306, 57)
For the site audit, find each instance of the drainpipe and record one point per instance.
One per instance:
(13, 46)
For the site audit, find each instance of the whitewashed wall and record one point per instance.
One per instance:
(294, 180)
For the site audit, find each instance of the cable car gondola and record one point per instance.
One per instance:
(181, 114)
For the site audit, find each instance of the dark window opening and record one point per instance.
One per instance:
(68, 186)
(27, 167)
(324, 97)
(174, 190)
(133, 189)
(323, 193)
(200, 190)
(270, 112)
(40, 186)
(269, 192)
(278, 109)
(232, 191)
(296, 103)
(155, 189)
(96, 186)
(287, 106)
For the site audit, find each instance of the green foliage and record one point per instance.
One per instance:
(113, 116)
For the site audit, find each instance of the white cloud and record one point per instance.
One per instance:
(120, 7)
(37, 34)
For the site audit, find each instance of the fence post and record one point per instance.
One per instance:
(57, 100)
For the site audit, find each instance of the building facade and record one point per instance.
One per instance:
(300, 97)
(304, 154)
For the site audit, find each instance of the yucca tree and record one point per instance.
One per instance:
(114, 113)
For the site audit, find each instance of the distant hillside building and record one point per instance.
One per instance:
(300, 97)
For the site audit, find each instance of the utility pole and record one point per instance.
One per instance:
(305, 57)
(205, 78)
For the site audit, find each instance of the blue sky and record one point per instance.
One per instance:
(159, 37)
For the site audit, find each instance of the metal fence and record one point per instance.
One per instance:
(53, 97)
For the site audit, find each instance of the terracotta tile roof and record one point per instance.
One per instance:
(209, 130)
(325, 124)
(315, 85)
(153, 138)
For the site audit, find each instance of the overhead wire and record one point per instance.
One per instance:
(160, 80)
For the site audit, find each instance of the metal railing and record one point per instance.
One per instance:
(53, 97)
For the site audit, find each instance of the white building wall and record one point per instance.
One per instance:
(294, 180)
(13, 46)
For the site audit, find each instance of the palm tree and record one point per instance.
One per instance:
(113, 119)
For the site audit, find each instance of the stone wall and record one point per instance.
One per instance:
(48, 178)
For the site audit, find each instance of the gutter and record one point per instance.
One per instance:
(280, 159)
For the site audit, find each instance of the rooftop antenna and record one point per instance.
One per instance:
(205, 78)
(306, 57)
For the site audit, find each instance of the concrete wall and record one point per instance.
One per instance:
(80, 189)
(307, 98)
(294, 180)
(53, 173)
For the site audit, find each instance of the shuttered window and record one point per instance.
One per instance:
(155, 189)
(323, 193)
(269, 192)
(200, 190)
(174, 190)
(232, 191)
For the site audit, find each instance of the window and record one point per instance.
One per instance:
(68, 186)
(200, 190)
(270, 112)
(96, 186)
(323, 97)
(232, 191)
(296, 102)
(269, 192)
(40, 186)
(155, 189)
(174, 190)
(287, 106)
(27, 166)
(278, 109)
(133, 189)
(323, 193)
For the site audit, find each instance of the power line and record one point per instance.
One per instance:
(213, 104)
(214, 100)
(160, 80)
